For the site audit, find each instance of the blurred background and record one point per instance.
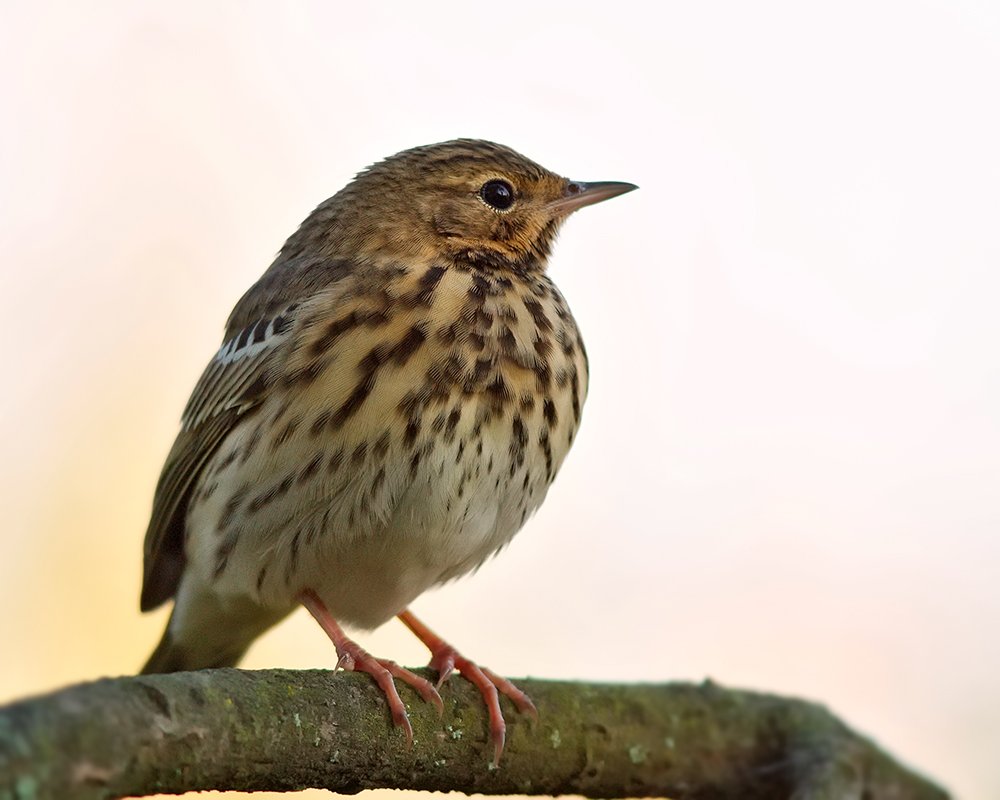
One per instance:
(788, 476)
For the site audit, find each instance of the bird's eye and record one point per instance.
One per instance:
(497, 194)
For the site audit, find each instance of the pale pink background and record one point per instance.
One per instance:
(788, 476)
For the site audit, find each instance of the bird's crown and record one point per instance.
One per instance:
(464, 202)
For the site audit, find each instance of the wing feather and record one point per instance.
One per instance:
(230, 388)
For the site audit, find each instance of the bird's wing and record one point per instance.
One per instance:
(232, 385)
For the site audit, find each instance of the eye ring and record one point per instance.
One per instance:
(497, 194)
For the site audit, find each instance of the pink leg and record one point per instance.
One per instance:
(445, 659)
(351, 656)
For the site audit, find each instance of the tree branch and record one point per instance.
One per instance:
(281, 730)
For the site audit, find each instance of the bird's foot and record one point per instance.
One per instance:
(352, 657)
(445, 659)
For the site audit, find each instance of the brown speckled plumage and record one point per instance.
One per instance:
(391, 402)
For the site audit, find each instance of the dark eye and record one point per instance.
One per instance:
(497, 194)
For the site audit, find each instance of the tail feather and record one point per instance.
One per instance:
(172, 656)
(206, 631)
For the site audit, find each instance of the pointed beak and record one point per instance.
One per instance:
(578, 194)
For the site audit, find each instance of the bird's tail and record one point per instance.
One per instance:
(207, 632)
(172, 655)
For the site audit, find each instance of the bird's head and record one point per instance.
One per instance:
(466, 201)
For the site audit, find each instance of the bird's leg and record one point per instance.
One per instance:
(351, 656)
(445, 659)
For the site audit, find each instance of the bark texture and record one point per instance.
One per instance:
(280, 730)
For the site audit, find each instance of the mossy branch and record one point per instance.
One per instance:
(279, 730)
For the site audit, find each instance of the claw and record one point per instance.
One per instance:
(383, 678)
(351, 657)
(443, 663)
(446, 659)
(345, 662)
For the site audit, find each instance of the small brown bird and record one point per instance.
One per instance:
(391, 401)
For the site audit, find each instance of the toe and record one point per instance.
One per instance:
(422, 686)
(508, 689)
(397, 708)
(498, 727)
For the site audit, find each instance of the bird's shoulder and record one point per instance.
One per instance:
(286, 282)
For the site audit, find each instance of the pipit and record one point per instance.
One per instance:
(391, 402)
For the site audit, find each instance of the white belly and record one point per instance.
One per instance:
(367, 542)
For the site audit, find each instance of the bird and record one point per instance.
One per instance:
(391, 401)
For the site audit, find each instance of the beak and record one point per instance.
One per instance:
(577, 195)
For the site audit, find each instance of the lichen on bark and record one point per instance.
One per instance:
(280, 730)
